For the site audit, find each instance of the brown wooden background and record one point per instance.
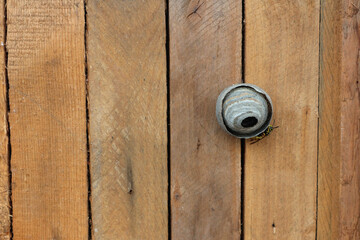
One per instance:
(108, 128)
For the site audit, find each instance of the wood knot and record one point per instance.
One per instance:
(352, 10)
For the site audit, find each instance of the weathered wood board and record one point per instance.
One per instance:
(339, 122)
(128, 122)
(205, 57)
(45, 43)
(281, 56)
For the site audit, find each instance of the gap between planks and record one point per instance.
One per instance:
(168, 121)
(87, 121)
(7, 121)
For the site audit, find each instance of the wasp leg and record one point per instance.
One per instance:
(255, 141)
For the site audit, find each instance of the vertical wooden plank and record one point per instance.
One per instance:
(128, 130)
(281, 41)
(47, 119)
(329, 121)
(205, 57)
(4, 140)
(339, 132)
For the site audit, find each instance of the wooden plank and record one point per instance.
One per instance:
(4, 140)
(280, 171)
(339, 112)
(128, 126)
(205, 57)
(329, 121)
(47, 119)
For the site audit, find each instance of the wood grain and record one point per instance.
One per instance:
(281, 42)
(339, 112)
(205, 57)
(4, 140)
(47, 119)
(329, 121)
(128, 130)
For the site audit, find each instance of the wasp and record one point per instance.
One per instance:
(265, 133)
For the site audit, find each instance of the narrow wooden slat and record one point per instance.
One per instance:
(205, 57)
(339, 132)
(329, 121)
(128, 136)
(4, 153)
(281, 43)
(47, 119)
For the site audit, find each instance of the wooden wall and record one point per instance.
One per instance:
(108, 127)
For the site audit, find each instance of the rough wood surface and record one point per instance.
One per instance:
(4, 154)
(128, 136)
(45, 43)
(281, 56)
(339, 133)
(205, 57)
(329, 121)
